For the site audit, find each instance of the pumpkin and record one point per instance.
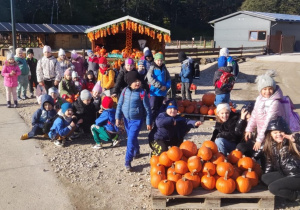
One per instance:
(196, 109)
(171, 169)
(225, 185)
(181, 109)
(203, 110)
(253, 177)
(181, 167)
(243, 184)
(154, 160)
(208, 182)
(205, 153)
(174, 153)
(236, 173)
(193, 87)
(245, 162)
(208, 99)
(184, 186)
(211, 112)
(156, 168)
(165, 160)
(184, 158)
(217, 158)
(188, 148)
(224, 167)
(212, 145)
(210, 167)
(216, 176)
(194, 178)
(194, 164)
(189, 109)
(186, 103)
(234, 156)
(178, 86)
(174, 177)
(156, 178)
(257, 169)
(69, 100)
(166, 187)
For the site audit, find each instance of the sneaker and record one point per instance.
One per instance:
(128, 166)
(116, 142)
(31, 95)
(58, 143)
(74, 136)
(24, 136)
(8, 104)
(98, 146)
(19, 98)
(15, 104)
(137, 155)
(25, 97)
(45, 136)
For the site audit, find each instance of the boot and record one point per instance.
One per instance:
(128, 166)
(8, 104)
(15, 104)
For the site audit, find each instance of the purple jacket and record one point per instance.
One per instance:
(79, 66)
(264, 110)
(10, 81)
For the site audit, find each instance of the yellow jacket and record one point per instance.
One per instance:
(107, 79)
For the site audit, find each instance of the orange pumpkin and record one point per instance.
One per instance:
(166, 187)
(243, 184)
(188, 148)
(257, 169)
(208, 182)
(174, 153)
(184, 186)
(211, 112)
(194, 164)
(205, 153)
(209, 167)
(236, 173)
(171, 169)
(156, 178)
(194, 178)
(181, 109)
(234, 156)
(156, 168)
(212, 145)
(165, 160)
(225, 185)
(174, 176)
(204, 110)
(208, 99)
(181, 167)
(193, 87)
(154, 160)
(190, 109)
(224, 167)
(186, 103)
(245, 162)
(253, 177)
(217, 158)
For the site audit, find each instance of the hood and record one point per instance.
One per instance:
(227, 69)
(148, 54)
(46, 98)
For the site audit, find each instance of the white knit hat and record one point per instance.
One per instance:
(222, 106)
(61, 52)
(266, 80)
(19, 50)
(224, 52)
(145, 49)
(9, 56)
(74, 74)
(46, 49)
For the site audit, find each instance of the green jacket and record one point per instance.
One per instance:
(23, 65)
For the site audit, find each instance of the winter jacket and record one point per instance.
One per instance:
(79, 66)
(97, 103)
(48, 69)
(85, 112)
(93, 64)
(67, 87)
(10, 81)
(148, 53)
(218, 75)
(61, 127)
(41, 115)
(186, 72)
(107, 80)
(107, 120)
(32, 63)
(232, 130)
(158, 76)
(264, 110)
(23, 66)
(65, 64)
(284, 161)
(89, 85)
(134, 105)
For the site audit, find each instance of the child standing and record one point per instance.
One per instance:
(185, 75)
(148, 58)
(134, 105)
(32, 63)
(159, 78)
(143, 74)
(266, 107)
(10, 72)
(282, 175)
(67, 86)
(90, 80)
(106, 76)
(39, 118)
(105, 128)
(78, 62)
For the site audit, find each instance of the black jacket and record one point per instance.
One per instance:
(217, 76)
(32, 63)
(232, 130)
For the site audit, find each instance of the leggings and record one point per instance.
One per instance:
(9, 91)
(283, 186)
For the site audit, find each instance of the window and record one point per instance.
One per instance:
(257, 35)
(75, 36)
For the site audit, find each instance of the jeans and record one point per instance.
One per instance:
(222, 98)
(224, 145)
(36, 130)
(185, 88)
(22, 85)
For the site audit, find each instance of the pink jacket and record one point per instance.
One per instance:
(79, 66)
(10, 81)
(264, 110)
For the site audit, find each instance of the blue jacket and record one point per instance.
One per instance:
(107, 120)
(61, 127)
(133, 106)
(41, 115)
(186, 72)
(158, 76)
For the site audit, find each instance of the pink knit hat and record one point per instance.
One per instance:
(129, 61)
(97, 87)
(74, 54)
(68, 72)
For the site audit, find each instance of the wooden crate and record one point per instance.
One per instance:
(258, 198)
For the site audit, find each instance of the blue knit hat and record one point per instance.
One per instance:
(222, 61)
(141, 62)
(172, 104)
(65, 107)
(88, 52)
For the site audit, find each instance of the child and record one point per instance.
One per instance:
(159, 78)
(229, 129)
(105, 128)
(79, 83)
(185, 75)
(282, 175)
(85, 110)
(90, 80)
(143, 74)
(23, 79)
(93, 63)
(96, 93)
(32, 63)
(64, 125)
(134, 105)
(266, 107)
(106, 76)
(67, 86)
(64, 62)
(148, 58)
(78, 62)
(169, 129)
(46, 112)
(10, 72)
(58, 101)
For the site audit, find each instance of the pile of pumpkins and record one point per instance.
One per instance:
(186, 168)
(193, 86)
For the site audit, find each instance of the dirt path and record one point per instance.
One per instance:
(96, 179)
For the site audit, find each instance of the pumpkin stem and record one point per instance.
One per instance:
(226, 174)
(183, 178)
(159, 172)
(249, 169)
(194, 171)
(208, 174)
(244, 176)
(165, 181)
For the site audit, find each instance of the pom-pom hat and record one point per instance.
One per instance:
(107, 102)
(266, 80)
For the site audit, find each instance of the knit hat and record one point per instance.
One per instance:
(68, 72)
(74, 54)
(279, 124)
(74, 74)
(107, 102)
(181, 56)
(158, 56)
(61, 52)
(65, 106)
(222, 106)
(145, 49)
(19, 50)
(172, 104)
(9, 56)
(224, 52)
(46, 49)
(131, 77)
(88, 52)
(53, 90)
(102, 60)
(129, 61)
(141, 62)
(97, 87)
(85, 95)
(148, 53)
(222, 61)
(30, 51)
(266, 80)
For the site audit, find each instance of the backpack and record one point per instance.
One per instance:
(49, 122)
(234, 64)
(292, 117)
(226, 81)
(192, 65)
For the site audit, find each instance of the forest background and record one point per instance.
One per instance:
(185, 18)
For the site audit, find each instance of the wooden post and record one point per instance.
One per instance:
(83, 53)
(179, 45)
(204, 43)
(212, 44)
(200, 40)
(280, 45)
(242, 51)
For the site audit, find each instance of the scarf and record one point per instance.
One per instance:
(103, 70)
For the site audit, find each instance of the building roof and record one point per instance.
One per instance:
(104, 25)
(43, 28)
(276, 17)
